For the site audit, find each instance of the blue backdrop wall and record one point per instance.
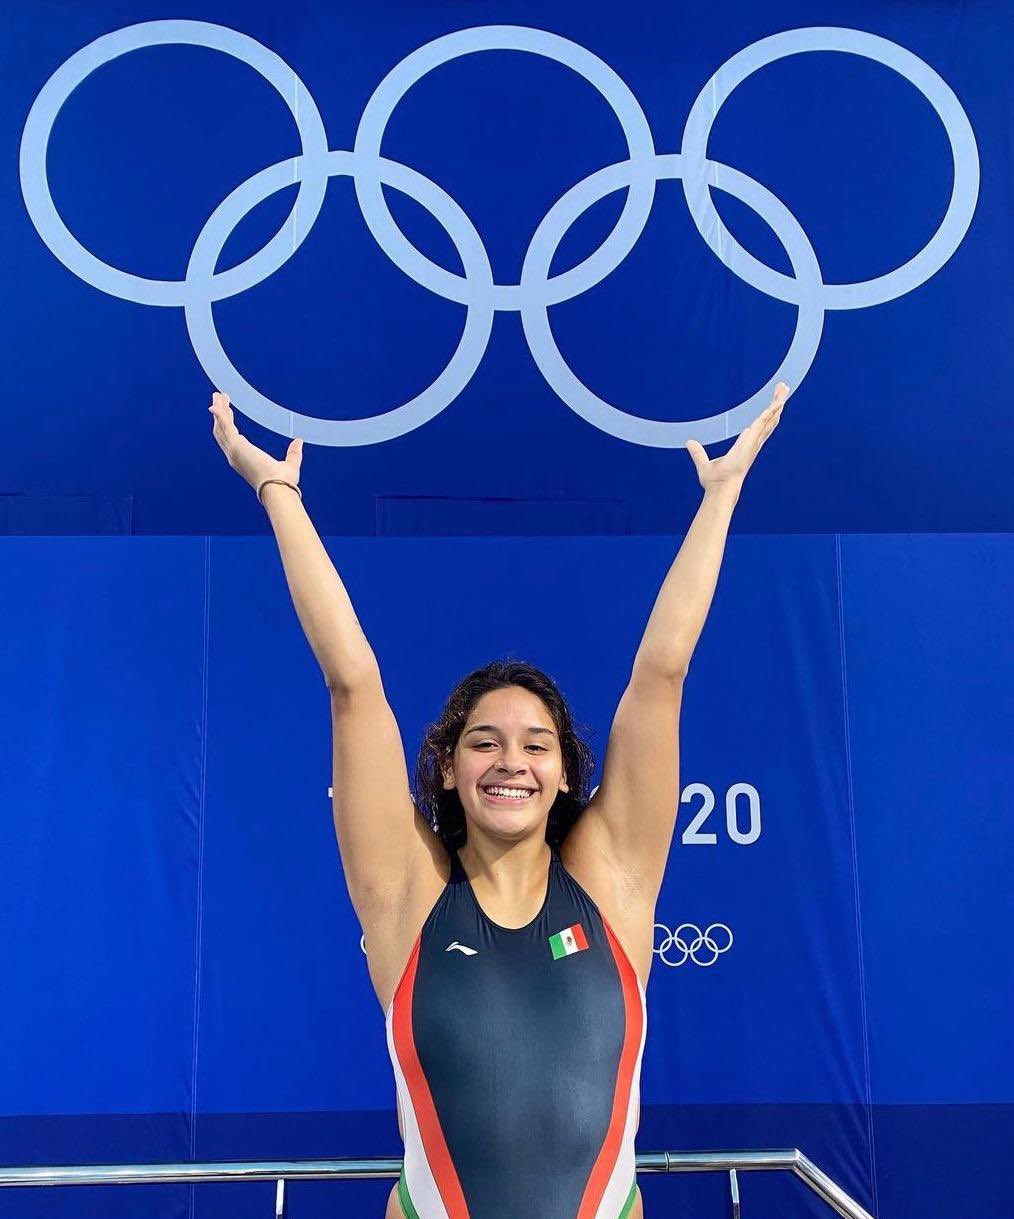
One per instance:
(183, 970)
(494, 284)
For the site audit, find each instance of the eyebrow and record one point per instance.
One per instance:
(493, 728)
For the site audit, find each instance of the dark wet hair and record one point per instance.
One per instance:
(443, 808)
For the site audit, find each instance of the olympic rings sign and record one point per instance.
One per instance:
(700, 947)
(537, 290)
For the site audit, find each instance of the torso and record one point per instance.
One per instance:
(390, 942)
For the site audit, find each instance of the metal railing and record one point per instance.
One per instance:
(280, 1171)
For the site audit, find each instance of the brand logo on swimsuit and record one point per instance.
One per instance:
(638, 174)
(469, 952)
(693, 944)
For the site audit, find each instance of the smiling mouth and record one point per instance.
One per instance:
(518, 799)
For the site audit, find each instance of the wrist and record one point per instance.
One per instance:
(276, 489)
(724, 493)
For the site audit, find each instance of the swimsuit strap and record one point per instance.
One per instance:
(457, 867)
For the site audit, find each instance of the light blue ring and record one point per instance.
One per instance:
(169, 292)
(595, 71)
(395, 422)
(938, 93)
(653, 432)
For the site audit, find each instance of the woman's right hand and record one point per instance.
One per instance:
(250, 462)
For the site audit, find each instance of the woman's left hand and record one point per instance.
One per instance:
(729, 471)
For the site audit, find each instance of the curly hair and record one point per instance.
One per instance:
(443, 809)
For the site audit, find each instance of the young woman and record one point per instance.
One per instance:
(508, 919)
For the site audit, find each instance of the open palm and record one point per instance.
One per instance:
(730, 470)
(244, 456)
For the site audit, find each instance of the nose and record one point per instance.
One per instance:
(508, 766)
(503, 768)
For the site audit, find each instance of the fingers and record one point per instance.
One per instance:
(698, 454)
(768, 419)
(777, 401)
(761, 419)
(224, 429)
(220, 407)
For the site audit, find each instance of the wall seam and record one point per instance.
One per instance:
(199, 930)
(839, 581)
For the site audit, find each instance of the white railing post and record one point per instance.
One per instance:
(733, 1194)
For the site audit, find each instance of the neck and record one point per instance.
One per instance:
(510, 868)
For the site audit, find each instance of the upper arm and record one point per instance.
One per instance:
(384, 841)
(628, 824)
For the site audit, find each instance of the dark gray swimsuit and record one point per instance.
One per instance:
(517, 1056)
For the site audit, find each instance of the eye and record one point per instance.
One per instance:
(483, 744)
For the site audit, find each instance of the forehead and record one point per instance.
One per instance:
(511, 704)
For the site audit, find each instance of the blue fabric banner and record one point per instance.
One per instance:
(831, 935)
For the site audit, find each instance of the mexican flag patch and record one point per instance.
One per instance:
(568, 941)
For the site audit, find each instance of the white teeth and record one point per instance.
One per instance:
(511, 793)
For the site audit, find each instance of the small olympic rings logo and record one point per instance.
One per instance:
(537, 290)
(693, 944)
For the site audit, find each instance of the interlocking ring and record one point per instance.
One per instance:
(537, 290)
(71, 73)
(692, 950)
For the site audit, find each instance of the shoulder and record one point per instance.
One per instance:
(621, 899)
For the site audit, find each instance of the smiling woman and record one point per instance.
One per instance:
(513, 954)
(515, 1036)
(555, 733)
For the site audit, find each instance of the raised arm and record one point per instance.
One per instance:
(321, 602)
(629, 822)
(682, 605)
(384, 842)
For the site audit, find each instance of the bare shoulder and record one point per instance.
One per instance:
(391, 924)
(623, 898)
